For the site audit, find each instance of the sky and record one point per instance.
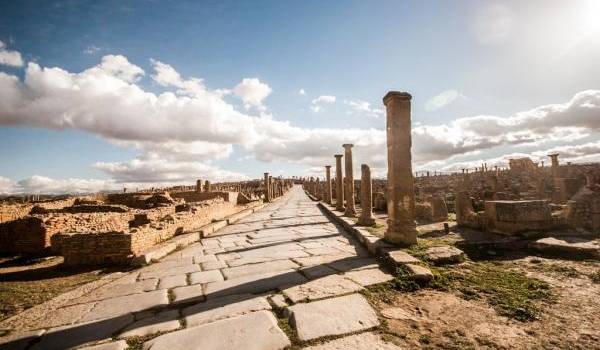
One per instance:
(100, 95)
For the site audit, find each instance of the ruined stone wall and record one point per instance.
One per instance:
(120, 248)
(14, 211)
(192, 196)
(583, 210)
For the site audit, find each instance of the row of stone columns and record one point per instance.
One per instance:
(401, 224)
(274, 188)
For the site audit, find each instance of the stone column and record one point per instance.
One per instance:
(350, 208)
(271, 193)
(555, 166)
(339, 179)
(328, 184)
(401, 202)
(366, 197)
(199, 186)
(267, 192)
(207, 186)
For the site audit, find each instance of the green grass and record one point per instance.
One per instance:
(510, 293)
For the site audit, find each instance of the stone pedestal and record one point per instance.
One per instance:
(401, 205)
(328, 184)
(366, 197)
(339, 179)
(349, 193)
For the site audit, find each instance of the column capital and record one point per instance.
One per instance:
(347, 145)
(401, 95)
(338, 155)
(328, 166)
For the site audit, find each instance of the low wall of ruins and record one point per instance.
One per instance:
(120, 247)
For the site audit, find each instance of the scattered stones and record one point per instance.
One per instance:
(445, 255)
(321, 288)
(419, 273)
(573, 247)
(334, 316)
(400, 257)
(254, 331)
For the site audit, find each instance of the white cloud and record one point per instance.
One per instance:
(180, 133)
(154, 169)
(252, 92)
(92, 49)
(493, 23)
(301, 92)
(442, 99)
(9, 57)
(317, 103)
(364, 108)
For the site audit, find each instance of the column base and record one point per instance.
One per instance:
(402, 236)
(366, 221)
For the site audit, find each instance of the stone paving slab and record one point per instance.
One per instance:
(162, 322)
(229, 306)
(127, 304)
(113, 290)
(19, 341)
(320, 288)
(254, 284)
(206, 277)
(254, 331)
(341, 315)
(368, 277)
(68, 337)
(172, 281)
(117, 345)
(257, 269)
(179, 270)
(362, 341)
(188, 294)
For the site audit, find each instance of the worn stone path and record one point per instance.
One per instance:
(225, 292)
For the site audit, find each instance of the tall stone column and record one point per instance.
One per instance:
(271, 193)
(366, 197)
(555, 166)
(328, 184)
(401, 202)
(339, 179)
(207, 186)
(267, 189)
(198, 186)
(350, 208)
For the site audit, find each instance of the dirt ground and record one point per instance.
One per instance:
(25, 282)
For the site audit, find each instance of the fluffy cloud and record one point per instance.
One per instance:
(154, 169)
(180, 132)
(363, 108)
(301, 92)
(442, 99)
(317, 104)
(8, 57)
(252, 92)
(46, 185)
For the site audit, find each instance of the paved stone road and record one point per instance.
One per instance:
(225, 291)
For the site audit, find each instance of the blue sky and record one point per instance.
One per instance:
(488, 61)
